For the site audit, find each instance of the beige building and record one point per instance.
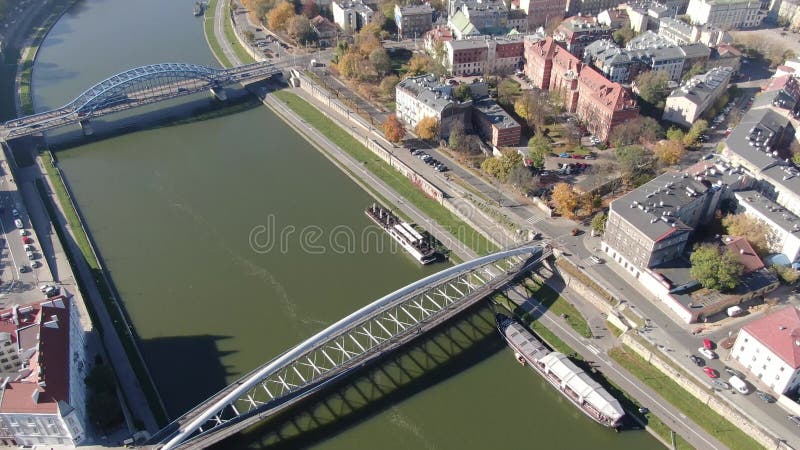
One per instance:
(687, 103)
(725, 14)
(351, 15)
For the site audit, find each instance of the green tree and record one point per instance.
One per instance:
(675, 134)
(715, 268)
(103, 406)
(641, 130)
(670, 152)
(623, 35)
(653, 88)
(696, 69)
(539, 148)
(507, 92)
(492, 167)
(633, 160)
(796, 158)
(380, 61)
(388, 85)
(502, 166)
(697, 129)
(462, 93)
(457, 137)
(599, 222)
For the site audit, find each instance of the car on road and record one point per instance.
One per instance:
(721, 384)
(588, 157)
(698, 361)
(15, 212)
(711, 372)
(739, 385)
(595, 259)
(794, 419)
(733, 372)
(578, 156)
(708, 344)
(707, 353)
(766, 397)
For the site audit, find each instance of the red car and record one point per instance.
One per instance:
(574, 156)
(711, 372)
(708, 344)
(27, 240)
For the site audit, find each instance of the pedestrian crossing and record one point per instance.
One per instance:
(534, 219)
(593, 349)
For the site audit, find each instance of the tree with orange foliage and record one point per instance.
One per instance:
(393, 129)
(669, 152)
(427, 128)
(279, 17)
(565, 199)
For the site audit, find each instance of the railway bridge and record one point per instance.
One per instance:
(134, 88)
(345, 346)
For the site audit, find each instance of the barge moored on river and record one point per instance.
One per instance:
(571, 381)
(402, 232)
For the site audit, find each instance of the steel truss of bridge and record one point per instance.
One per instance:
(133, 88)
(331, 354)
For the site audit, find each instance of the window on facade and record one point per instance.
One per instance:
(781, 369)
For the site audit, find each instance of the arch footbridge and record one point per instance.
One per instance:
(133, 88)
(347, 345)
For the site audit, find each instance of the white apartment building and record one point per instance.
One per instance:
(43, 401)
(351, 15)
(685, 104)
(770, 349)
(725, 14)
(484, 55)
(785, 225)
(423, 96)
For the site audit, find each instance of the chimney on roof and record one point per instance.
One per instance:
(741, 251)
(35, 396)
(52, 323)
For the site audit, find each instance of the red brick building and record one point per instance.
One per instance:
(603, 104)
(564, 77)
(539, 61)
(600, 103)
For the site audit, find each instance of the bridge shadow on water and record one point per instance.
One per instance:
(186, 369)
(457, 345)
(181, 111)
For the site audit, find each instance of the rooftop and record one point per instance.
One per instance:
(776, 213)
(607, 52)
(43, 337)
(653, 207)
(700, 87)
(744, 251)
(495, 114)
(416, 9)
(428, 90)
(756, 136)
(779, 332)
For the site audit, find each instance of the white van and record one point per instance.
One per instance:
(739, 385)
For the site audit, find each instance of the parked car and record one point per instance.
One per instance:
(36, 264)
(711, 372)
(564, 155)
(595, 259)
(24, 232)
(578, 156)
(721, 384)
(739, 385)
(794, 419)
(733, 372)
(766, 397)
(708, 344)
(588, 157)
(707, 353)
(698, 361)
(19, 223)
(27, 240)
(24, 269)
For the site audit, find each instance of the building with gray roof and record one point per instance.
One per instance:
(688, 102)
(612, 61)
(785, 225)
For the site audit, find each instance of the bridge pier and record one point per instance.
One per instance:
(219, 93)
(87, 128)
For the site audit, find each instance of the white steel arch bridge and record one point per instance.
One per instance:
(348, 344)
(133, 88)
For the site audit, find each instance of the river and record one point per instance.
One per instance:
(174, 211)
